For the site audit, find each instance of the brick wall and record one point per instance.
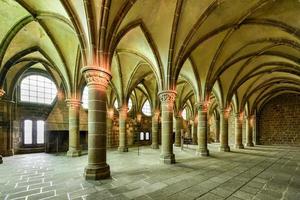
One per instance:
(279, 121)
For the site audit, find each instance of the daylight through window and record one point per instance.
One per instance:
(38, 89)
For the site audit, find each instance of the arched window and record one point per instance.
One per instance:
(146, 108)
(183, 114)
(147, 136)
(85, 97)
(28, 132)
(142, 136)
(129, 104)
(37, 89)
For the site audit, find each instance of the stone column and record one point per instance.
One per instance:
(178, 127)
(155, 118)
(202, 130)
(249, 132)
(224, 114)
(74, 130)
(189, 130)
(109, 124)
(238, 131)
(217, 130)
(122, 129)
(194, 131)
(2, 93)
(167, 98)
(97, 81)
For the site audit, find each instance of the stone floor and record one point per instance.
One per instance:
(261, 172)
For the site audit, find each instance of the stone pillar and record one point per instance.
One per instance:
(167, 99)
(109, 125)
(122, 129)
(189, 130)
(249, 132)
(155, 118)
(178, 131)
(97, 81)
(224, 114)
(238, 131)
(217, 130)
(202, 130)
(74, 132)
(194, 131)
(2, 93)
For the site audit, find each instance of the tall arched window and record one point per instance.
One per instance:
(146, 108)
(183, 114)
(85, 97)
(37, 89)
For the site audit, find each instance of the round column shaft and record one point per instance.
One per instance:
(122, 129)
(249, 132)
(155, 130)
(217, 131)
(109, 124)
(224, 114)
(194, 132)
(2, 93)
(178, 131)
(167, 99)
(202, 130)
(238, 131)
(97, 81)
(74, 132)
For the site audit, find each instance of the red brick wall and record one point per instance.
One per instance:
(279, 121)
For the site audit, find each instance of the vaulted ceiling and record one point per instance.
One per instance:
(243, 52)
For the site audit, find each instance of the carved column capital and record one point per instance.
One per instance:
(239, 116)
(96, 76)
(225, 112)
(123, 112)
(202, 106)
(73, 103)
(2, 93)
(167, 96)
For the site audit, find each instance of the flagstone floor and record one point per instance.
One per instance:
(260, 172)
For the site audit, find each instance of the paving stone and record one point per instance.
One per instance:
(262, 172)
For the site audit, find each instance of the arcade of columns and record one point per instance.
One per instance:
(100, 123)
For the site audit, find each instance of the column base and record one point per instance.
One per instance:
(1, 161)
(167, 159)
(96, 172)
(73, 153)
(202, 152)
(177, 145)
(224, 148)
(239, 146)
(250, 144)
(154, 146)
(123, 149)
(217, 141)
(195, 143)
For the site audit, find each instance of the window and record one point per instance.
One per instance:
(34, 132)
(40, 138)
(37, 89)
(27, 132)
(146, 108)
(85, 98)
(183, 114)
(147, 136)
(116, 104)
(142, 136)
(129, 104)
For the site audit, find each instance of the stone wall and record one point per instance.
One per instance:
(133, 128)
(279, 121)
